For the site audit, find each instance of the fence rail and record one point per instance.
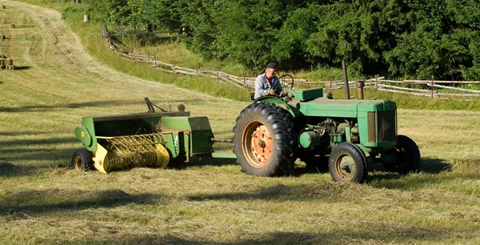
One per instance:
(431, 88)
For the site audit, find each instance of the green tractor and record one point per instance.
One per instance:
(272, 133)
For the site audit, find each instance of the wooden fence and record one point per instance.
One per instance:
(427, 88)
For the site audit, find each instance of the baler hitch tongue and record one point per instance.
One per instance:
(151, 106)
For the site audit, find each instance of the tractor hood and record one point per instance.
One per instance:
(341, 108)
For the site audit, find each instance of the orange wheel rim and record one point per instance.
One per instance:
(257, 144)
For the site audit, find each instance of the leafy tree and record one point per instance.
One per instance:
(407, 38)
(249, 31)
(161, 14)
(436, 46)
(118, 12)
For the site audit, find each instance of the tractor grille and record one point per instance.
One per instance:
(383, 127)
(387, 127)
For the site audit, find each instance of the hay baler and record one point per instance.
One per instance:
(152, 139)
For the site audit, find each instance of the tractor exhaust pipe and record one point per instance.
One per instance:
(360, 85)
(345, 80)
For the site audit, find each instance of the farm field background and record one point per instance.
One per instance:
(43, 201)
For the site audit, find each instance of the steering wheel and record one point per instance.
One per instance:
(285, 87)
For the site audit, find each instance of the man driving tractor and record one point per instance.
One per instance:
(268, 83)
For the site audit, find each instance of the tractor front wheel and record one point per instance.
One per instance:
(82, 160)
(264, 140)
(347, 162)
(407, 157)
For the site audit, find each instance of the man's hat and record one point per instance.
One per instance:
(272, 66)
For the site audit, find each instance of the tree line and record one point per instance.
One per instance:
(399, 38)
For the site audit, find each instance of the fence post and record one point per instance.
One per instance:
(218, 74)
(360, 85)
(198, 69)
(345, 80)
(173, 68)
(432, 88)
(86, 15)
(376, 82)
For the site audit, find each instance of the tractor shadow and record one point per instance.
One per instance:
(427, 165)
(300, 170)
(21, 68)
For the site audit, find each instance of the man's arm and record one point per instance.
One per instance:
(260, 89)
(277, 86)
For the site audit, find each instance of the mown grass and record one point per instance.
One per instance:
(43, 201)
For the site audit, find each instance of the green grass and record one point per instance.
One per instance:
(43, 201)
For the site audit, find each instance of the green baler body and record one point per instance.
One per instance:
(176, 128)
(197, 132)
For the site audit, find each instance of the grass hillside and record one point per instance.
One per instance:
(62, 76)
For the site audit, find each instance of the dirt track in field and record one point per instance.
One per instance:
(50, 59)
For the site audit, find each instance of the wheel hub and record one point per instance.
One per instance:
(346, 167)
(261, 145)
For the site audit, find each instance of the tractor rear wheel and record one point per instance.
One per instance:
(82, 160)
(407, 157)
(264, 141)
(347, 162)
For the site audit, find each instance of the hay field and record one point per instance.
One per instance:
(42, 201)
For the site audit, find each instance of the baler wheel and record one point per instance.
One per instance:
(82, 160)
(264, 141)
(347, 162)
(407, 157)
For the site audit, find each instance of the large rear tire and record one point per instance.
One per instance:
(407, 157)
(264, 140)
(82, 160)
(347, 162)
